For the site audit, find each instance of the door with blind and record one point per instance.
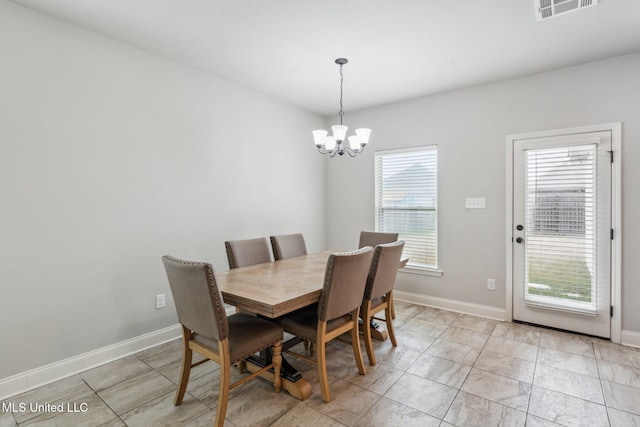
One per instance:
(562, 232)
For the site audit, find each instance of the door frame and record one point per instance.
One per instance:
(616, 217)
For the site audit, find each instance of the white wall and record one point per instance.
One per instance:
(469, 126)
(110, 158)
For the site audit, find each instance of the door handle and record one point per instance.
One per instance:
(519, 227)
(519, 240)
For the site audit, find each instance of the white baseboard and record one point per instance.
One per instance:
(630, 338)
(43, 375)
(451, 305)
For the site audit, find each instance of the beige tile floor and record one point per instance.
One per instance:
(448, 370)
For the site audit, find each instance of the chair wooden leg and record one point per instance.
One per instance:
(388, 316)
(355, 341)
(391, 305)
(187, 356)
(277, 361)
(366, 329)
(225, 383)
(312, 349)
(322, 361)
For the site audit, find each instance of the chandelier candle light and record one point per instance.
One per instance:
(333, 144)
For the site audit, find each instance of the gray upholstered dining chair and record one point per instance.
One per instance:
(207, 330)
(378, 293)
(336, 312)
(373, 238)
(241, 253)
(288, 246)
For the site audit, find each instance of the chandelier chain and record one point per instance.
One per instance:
(341, 113)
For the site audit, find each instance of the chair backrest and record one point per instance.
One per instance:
(197, 298)
(241, 253)
(374, 238)
(384, 268)
(288, 245)
(344, 282)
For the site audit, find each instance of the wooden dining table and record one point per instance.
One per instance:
(276, 288)
(273, 289)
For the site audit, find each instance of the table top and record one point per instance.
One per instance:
(275, 288)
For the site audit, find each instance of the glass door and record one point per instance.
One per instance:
(562, 232)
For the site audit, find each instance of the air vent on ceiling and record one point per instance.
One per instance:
(549, 8)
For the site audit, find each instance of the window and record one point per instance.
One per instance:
(561, 226)
(407, 201)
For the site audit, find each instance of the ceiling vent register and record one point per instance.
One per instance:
(550, 8)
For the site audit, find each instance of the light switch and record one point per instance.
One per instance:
(474, 203)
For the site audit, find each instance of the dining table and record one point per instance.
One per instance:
(273, 289)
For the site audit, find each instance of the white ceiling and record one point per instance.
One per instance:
(397, 50)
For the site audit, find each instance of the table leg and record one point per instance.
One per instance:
(377, 332)
(292, 379)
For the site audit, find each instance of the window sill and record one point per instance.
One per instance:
(422, 271)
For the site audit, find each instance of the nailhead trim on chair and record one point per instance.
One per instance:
(329, 272)
(219, 308)
(221, 312)
(374, 267)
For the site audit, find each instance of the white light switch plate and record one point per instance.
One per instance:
(474, 203)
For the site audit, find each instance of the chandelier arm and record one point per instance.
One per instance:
(350, 152)
(359, 150)
(322, 149)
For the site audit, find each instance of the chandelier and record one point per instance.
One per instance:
(334, 144)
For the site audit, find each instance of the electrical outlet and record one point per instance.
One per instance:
(491, 284)
(160, 303)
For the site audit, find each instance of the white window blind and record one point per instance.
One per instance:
(407, 201)
(560, 226)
